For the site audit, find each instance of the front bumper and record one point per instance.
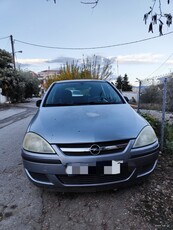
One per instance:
(50, 170)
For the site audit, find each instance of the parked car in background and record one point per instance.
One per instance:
(89, 140)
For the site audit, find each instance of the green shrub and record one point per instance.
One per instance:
(155, 123)
(169, 138)
(19, 85)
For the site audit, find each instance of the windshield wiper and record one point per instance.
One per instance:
(82, 103)
(59, 104)
(100, 103)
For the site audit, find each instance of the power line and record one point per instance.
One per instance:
(4, 37)
(91, 48)
(161, 65)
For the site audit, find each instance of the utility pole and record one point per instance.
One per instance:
(163, 113)
(13, 53)
(139, 94)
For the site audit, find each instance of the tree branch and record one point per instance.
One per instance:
(94, 3)
(157, 16)
(53, 0)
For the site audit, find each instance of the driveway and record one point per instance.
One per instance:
(24, 206)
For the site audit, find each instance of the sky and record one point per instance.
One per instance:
(70, 24)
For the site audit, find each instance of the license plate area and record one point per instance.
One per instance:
(96, 168)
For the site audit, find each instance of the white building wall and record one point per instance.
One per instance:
(3, 99)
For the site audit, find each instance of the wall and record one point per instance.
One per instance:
(3, 99)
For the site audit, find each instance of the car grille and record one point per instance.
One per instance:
(96, 178)
(84, 149)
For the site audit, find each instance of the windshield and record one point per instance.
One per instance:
(82, 93)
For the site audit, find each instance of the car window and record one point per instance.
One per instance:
(82, 93)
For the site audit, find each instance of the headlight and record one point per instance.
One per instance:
(146, 137)
(34, 143)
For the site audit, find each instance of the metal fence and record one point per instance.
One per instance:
(155, 97)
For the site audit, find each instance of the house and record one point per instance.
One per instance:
(48, 73)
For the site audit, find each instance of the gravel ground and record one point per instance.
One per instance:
(148, 206)
(158, 114)
(155, 204)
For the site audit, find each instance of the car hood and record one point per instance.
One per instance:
(90, 123)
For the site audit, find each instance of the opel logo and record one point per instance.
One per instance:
(95, 149)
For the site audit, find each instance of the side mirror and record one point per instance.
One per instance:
(38, 103)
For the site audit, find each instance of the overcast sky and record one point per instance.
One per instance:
(70, 24)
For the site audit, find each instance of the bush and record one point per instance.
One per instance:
(88, 69)
(155, 123)
(169, 138)
(170, 95)
(168, 141)
(152, 94)
(19, 85)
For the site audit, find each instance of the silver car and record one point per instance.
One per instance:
(89, 141)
